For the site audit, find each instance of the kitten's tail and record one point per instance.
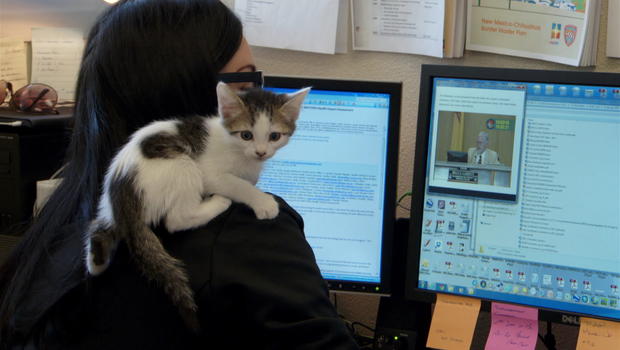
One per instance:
(169, 273)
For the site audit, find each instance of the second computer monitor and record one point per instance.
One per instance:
(339, 172)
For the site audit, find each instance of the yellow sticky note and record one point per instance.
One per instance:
(453, 323)
(598, 334)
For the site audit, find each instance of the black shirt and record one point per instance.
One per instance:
(256, 284)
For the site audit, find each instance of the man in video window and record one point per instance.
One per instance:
(481, 154)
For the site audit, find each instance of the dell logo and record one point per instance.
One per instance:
(570, 319)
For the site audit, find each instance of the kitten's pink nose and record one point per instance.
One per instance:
(260, 154)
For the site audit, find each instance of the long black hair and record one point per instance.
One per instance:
(144, 60)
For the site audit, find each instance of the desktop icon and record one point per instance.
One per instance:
(465, 226)
(563, 90)
(548, 89)
(576, 91)
(547, 280)
(429, 203)
(584, 299)
(451, 226)
(573, 283)
(439, 225)
(441, 204)
(576, 298)
(560, 281)
(589, 93)
(438, 244)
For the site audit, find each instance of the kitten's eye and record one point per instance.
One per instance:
(274, 136)
(246, 135)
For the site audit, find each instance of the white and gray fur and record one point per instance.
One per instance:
(183, 173)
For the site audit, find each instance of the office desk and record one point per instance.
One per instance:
(483, 174)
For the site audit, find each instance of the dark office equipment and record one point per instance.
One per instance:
(457, 156)
(548, 256)
(31, 150)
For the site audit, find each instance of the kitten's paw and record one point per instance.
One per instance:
(266, 207)
(220, 203)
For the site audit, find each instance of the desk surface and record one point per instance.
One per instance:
(494, 167)
(11, 118)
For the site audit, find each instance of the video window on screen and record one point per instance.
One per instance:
(475, 142)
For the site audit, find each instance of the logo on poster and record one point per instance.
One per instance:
(556, 29)
(570, 34)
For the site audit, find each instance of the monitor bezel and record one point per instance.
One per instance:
(428, 73)
(394, 89)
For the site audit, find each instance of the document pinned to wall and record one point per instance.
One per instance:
(613, 29)
(13, 62)
(563, 31)
(598, 334)
(454, 321)
(406, 26)
(56, 57)
(303, 25)
(512, 327)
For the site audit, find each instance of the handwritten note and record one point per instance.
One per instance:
(512, 327)
(56, 56)
(13, 66)
(453, 323)
(598, 334)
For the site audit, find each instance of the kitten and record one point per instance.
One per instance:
(183, 173)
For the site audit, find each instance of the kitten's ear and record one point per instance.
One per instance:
(292, 107)
(228, 103)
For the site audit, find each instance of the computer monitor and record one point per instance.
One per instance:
(539, 228)
(457, 156)
(339, 172)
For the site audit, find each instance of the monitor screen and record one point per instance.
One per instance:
(339, 172)
(530, 215)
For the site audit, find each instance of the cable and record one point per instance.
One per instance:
(407, 194)
(549, 339)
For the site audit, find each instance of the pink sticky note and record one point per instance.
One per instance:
(512, 327)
